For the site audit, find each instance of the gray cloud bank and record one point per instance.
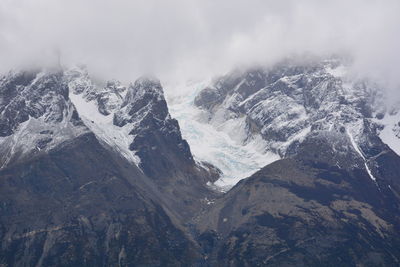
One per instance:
(192, 38)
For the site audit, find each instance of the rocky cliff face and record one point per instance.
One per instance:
(156, 136)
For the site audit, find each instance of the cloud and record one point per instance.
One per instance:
(192, 38)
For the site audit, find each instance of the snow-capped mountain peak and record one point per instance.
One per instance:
(35, 114)
(280, 106)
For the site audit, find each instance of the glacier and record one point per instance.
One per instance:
(214, 145)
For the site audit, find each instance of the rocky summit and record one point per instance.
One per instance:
(98, 173)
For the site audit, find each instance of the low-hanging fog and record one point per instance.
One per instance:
(182, 39)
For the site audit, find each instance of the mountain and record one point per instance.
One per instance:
(98, 173)
(278, 107)
(333, 198)
(94, 175)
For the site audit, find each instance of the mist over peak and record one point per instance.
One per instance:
(184, 40)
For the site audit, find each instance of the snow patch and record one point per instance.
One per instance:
(390, 134)
(102, 126)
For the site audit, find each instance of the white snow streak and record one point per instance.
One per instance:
(362, 155)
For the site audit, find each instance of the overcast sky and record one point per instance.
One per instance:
(189, 38)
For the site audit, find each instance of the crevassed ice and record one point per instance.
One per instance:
(207, 143)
